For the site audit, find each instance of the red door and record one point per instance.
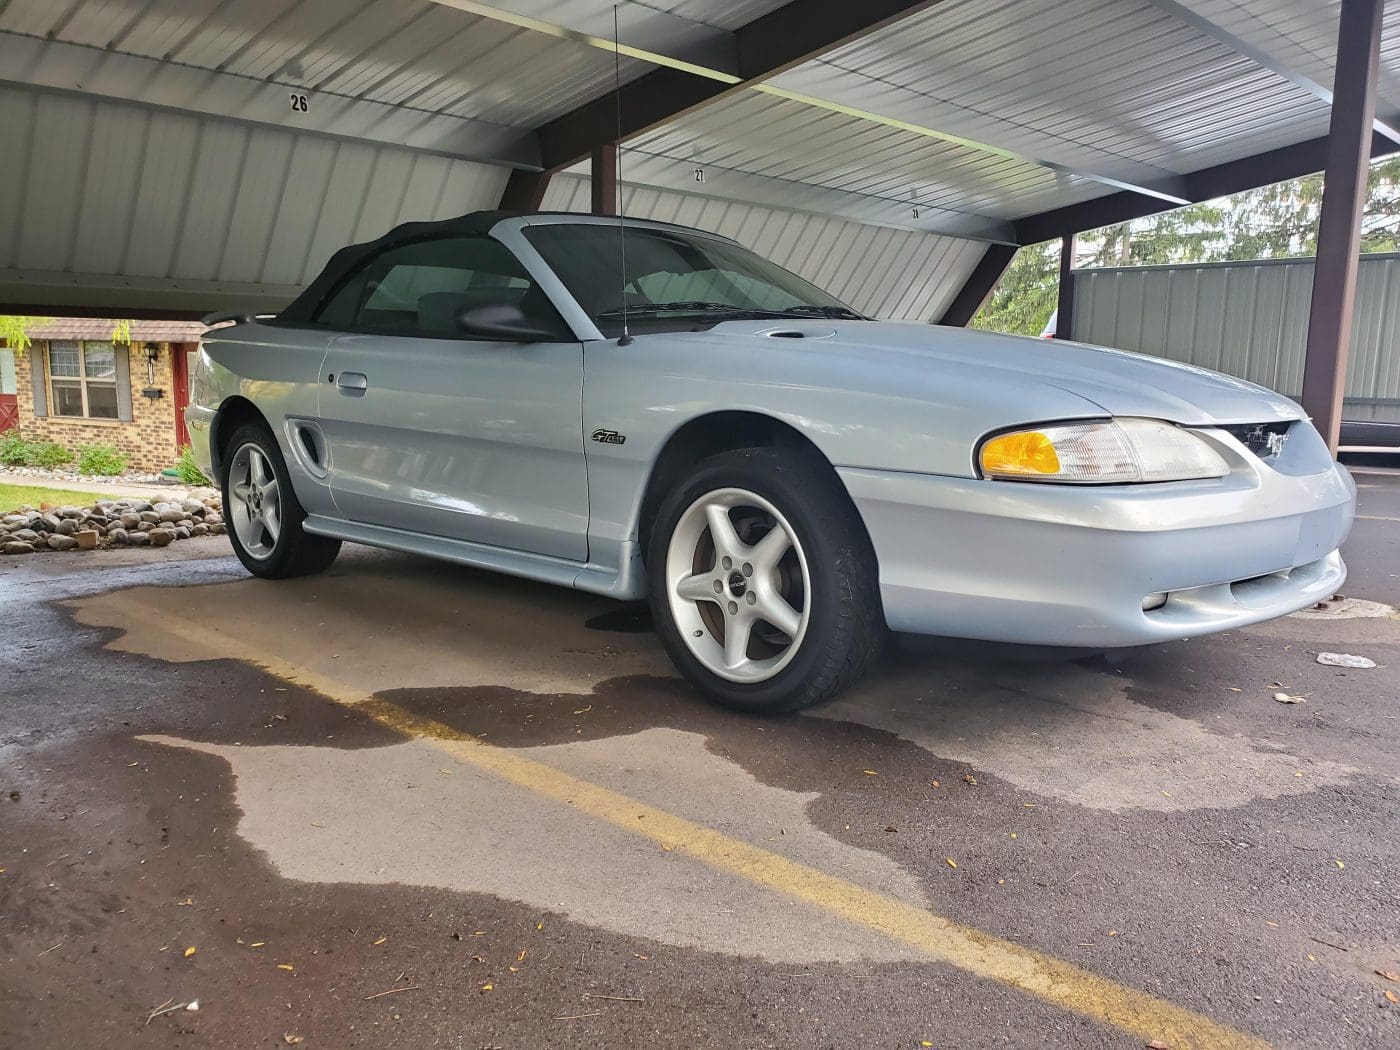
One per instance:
(9, 412)
(180, 395)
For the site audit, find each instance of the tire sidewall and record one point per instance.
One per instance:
(818, 521)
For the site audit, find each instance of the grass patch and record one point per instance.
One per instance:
(12, 497)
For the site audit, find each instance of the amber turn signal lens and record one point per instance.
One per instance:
(1027, 452)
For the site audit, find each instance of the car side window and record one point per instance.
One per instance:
(419, 289)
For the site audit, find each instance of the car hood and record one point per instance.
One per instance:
(1114, 381)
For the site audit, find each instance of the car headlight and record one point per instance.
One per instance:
(1101, 452)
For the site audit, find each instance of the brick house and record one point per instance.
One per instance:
(75, 386)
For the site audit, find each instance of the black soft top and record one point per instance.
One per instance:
(473, 224)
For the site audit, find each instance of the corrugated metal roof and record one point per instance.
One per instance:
(887, 273)
(158, 143)
(107, 188)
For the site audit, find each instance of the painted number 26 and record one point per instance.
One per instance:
(300, 103)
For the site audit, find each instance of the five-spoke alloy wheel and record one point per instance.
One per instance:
(263, 513)
(764, 587)
(738, 584)
(256, 510)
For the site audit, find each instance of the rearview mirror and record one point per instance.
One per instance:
(505, 323)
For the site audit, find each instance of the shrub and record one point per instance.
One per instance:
(189, 470)
(14, 449)
(47, 454)
(102, 460)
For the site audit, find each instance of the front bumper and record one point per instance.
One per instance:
(1064, 565)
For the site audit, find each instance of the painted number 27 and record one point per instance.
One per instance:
(300, 103)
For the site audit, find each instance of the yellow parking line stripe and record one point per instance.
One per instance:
(1058, 982)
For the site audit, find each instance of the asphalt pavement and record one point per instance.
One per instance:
(410, 804)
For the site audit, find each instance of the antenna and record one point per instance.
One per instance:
(626, 339)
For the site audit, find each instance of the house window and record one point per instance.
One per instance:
(83, 380)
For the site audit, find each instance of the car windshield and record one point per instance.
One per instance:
(675, 281)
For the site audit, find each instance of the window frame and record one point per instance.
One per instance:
(361, 273)
(83, 380)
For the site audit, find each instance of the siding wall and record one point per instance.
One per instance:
(1249, 320)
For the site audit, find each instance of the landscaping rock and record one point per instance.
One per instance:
(130, 520)
(139, 539)
(161, 537)
(24, 536)
(59, 542)
(17, 547)
(150, 516)
(71, 512)
(87, 539)
(66, 527)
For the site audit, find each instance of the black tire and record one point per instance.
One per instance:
(846, 628)
(296, 551)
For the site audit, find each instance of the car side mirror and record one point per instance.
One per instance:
(504, 323)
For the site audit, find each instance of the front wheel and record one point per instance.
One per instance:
(262, 512)
(764, 586)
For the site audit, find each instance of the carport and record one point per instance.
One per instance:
(409, 803)
(173, 158)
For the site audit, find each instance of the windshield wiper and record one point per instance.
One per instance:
(696, 306)
(842, 313)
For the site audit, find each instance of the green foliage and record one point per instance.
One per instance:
(103, 460)
(18, 451)
(1025, 296)
(1272, 222)
(14, 449)
(14, 330)
(48, 454)
(189, 471)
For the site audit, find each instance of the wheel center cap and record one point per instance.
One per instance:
(737, 584)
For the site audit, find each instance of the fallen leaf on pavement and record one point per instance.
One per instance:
(291, 1039)
(584, 710)
(190, 951)
(487, 987)
(968, 778)
(1339, 864)
(193, 1004)
(380, 941)
(870, 772)
(951, 862)
(1157, 1044)
(286, 966)
(1288, 698)
(1392, 997)
(1389, 975)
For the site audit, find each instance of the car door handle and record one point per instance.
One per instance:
(352, 384)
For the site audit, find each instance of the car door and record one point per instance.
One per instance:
(434, 433)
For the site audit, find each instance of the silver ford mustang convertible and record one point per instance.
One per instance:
(784, 479)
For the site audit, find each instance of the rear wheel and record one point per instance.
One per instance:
(263, 515)
(763, 583)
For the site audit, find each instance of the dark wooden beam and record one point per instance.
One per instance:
(1064, 307)
(603, 179)
(1339, 227)
(1221, 180)
(979, 285)
(797, 32)
(524, 190)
